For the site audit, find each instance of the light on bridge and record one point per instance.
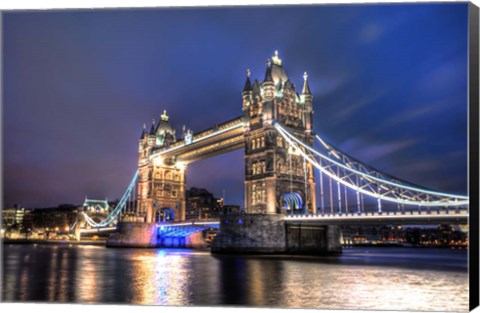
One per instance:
(181, 165)
(157, 161)
(293, 150)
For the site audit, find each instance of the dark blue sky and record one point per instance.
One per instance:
(389, 84)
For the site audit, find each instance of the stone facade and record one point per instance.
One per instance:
(145, 235)
(161, 181)
(252, 233)
(272, 169)
(259, 233)
(141, 235)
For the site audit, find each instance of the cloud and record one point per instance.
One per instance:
(409, 115)
(373, 154)
(371, 33)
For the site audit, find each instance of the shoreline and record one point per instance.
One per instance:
(54, 242)
(102, 242)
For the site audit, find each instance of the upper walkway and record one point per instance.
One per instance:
(453, 216)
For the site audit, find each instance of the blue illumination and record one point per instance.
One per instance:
(293, 201)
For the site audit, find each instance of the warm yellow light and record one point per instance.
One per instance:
(293, 150)
(180, 165)
(157, 160)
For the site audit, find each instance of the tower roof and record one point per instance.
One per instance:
(164, 125)
(248, 84)
(268, 72)
(275, 71)
(152, 128)
(144, 131)
(306, 88)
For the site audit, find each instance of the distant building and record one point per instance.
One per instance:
(231, 209)
(13, 216)
(96, 206)
(202, 204)
(56, 219)
(96, 209)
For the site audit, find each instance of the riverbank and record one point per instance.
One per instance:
(99, 242)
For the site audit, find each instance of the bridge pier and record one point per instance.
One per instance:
(135, 235)
(147, 235)
(265, 234)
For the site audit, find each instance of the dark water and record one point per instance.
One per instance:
(366, 278)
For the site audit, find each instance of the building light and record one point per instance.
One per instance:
(157, 161)
(180, 165)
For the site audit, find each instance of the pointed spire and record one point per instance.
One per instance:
(152, 129)
(276, 60)
(268, 73)
(306, 88)
(248, 84)
(144, 131)
(164, 116)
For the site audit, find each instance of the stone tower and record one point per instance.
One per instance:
(161, 181)
(277, 181)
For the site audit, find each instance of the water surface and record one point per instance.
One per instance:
(360, 278)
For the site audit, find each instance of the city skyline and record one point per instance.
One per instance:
(88, 80)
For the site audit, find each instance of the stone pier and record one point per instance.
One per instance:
(258, 233)
(145, 235)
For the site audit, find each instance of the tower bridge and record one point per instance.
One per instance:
(276, 181)
(277, 135)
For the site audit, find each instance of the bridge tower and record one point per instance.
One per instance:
(277, 181)
(161, 181)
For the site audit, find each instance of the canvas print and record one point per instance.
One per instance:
(300, 156)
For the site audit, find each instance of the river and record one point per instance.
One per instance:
(360, 278)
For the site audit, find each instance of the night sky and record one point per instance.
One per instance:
(389, 85)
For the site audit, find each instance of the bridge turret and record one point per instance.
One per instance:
(268, 86)
(272, 174)
(165, 134)
(247, 93)
(144, 132)
(307, 99)
(151, 134)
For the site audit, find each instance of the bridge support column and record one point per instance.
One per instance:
(271, 207)
(138, 235)
(259, 233)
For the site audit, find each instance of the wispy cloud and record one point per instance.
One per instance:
(381, 151)
(371, 33)
(401, 117)
(365, 150)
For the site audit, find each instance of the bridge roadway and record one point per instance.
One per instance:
(388, 218)
(353, 218)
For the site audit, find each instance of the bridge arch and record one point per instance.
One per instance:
(164, 215)
(291, 202)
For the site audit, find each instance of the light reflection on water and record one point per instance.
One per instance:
(384, 279)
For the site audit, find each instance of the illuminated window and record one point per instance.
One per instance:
(279, 142)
